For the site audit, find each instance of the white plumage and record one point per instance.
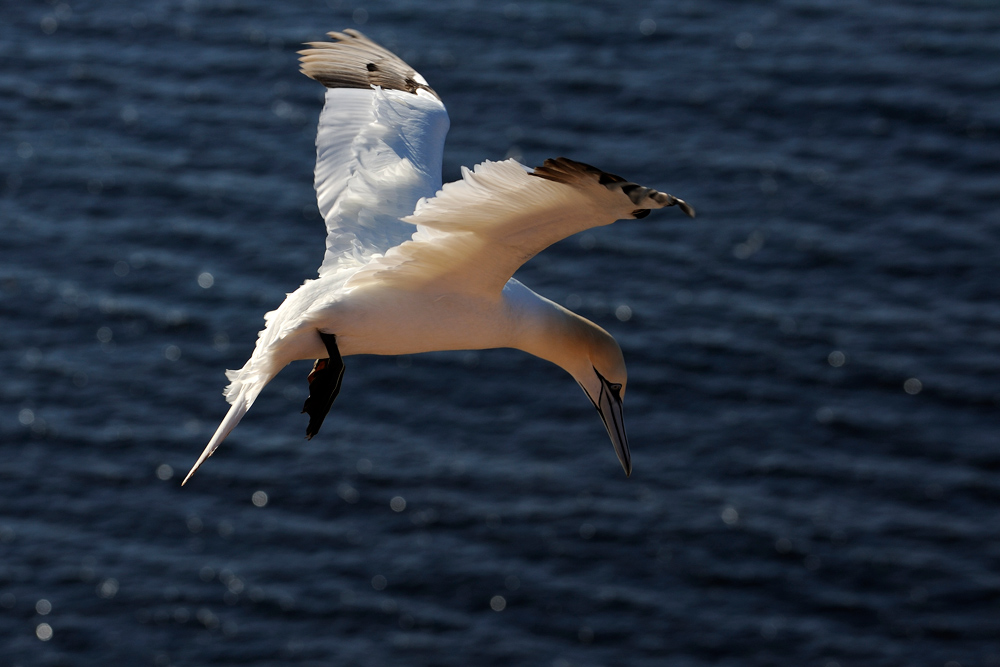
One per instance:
(412, 266)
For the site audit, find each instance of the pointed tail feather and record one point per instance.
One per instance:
(241, 402)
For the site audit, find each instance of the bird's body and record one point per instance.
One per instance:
(412, 266)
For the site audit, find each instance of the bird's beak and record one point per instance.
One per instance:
(609, 406)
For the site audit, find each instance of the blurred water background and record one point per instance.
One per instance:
(814, 362)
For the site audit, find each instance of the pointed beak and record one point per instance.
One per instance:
(609, 406)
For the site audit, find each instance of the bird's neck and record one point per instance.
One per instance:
(546, 330)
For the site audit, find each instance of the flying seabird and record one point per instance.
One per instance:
(412, 266)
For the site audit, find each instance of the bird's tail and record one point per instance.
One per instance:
(243, 390)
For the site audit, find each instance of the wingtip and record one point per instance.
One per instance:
(352, 60)
(686, 207)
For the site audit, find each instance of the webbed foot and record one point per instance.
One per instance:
(324, 385)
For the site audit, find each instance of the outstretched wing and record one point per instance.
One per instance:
(476, 232)
(378, 146)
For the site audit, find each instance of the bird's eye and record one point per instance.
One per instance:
(615, 387)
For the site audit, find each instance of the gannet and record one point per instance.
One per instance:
(411, 266)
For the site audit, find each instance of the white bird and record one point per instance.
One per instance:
(412, 266)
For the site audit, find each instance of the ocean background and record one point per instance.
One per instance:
(814, 395)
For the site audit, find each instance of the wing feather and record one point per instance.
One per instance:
(476, 232)
(378, 146)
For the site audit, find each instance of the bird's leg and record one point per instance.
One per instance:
(324, 385)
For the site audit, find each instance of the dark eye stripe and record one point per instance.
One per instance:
(614, 387)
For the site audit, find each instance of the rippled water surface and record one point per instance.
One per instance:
(814, 362)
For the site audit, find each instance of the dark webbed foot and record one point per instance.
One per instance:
(324, 385)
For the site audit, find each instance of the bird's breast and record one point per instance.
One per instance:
(403, 322)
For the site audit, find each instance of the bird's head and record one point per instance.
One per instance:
(603, 378)
(584, 350)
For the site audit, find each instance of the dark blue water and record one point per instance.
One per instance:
(814, 362)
